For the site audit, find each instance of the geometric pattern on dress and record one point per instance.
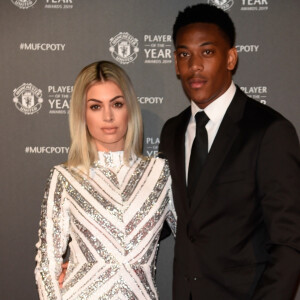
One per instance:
(113, 216)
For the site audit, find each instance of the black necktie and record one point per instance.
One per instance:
(198, 152)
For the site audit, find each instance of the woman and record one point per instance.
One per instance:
(108, 199)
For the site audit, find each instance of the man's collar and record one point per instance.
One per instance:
(216, 110)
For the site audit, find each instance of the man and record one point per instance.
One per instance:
(238, 231)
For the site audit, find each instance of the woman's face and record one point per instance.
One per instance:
(106, 116)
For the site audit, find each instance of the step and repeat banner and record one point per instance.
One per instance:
(43, 46)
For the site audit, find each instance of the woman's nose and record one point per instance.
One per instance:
(108, 114)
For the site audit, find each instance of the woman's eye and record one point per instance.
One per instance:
(118, 104)
(95, 106)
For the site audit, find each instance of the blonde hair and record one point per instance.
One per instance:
(83, 151)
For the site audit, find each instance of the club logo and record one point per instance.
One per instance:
(28, 98)
(223, 4)
(124, 48)
(23, 4)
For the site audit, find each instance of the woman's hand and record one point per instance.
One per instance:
(62, 274)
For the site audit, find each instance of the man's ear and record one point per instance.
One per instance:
(232, 59)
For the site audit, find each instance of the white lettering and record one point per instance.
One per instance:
(48, 150)
(60, 89)
(152, 153)
(59, 1)
(158, 38)
(255, 90)
(161, 53)
(59, 104)
(150, 100)
(65, 105)
(151, 140)
(255, 2)
(51, 103)
(147, 51)
(42, 46)
(247, 48)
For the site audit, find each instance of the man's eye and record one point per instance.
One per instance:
(207, 52)
(183, 54)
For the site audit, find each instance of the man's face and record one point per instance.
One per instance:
(204, 61)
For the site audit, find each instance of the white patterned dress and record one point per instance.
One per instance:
(112, 221)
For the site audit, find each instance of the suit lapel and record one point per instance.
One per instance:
(178, 177)
(227, 133)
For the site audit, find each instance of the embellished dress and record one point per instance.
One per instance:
(111, 221)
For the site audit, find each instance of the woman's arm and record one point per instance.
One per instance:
(171, 215)
(53, 237)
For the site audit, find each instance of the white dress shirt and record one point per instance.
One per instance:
(215, 111)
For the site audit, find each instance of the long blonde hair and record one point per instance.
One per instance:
(83, 150)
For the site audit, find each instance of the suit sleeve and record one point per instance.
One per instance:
(278, 175)
(166, 230)
(161, 150)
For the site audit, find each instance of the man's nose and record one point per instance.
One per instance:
(196, 63)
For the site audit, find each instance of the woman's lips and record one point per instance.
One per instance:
(109, 130)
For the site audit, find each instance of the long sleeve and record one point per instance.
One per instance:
(170, 222)
(171, 215)
(53, 238)
(279, 191)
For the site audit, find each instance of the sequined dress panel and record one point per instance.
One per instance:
(112, 221)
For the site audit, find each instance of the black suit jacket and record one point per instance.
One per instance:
(240, 238)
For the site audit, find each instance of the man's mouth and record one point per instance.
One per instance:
(197, 83)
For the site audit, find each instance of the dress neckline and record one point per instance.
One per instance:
(112, 160)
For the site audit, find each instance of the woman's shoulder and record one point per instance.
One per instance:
(64, 173)
(157, 162)
(63, 169)
(155, 159)
(60, 167)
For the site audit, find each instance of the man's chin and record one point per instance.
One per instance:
(202, 103)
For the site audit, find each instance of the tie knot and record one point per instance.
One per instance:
(201, 119)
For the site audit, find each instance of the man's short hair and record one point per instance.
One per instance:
(205, 13)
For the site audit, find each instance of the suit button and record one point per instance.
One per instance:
(195, 278)
(192, 239)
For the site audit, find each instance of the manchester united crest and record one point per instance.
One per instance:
(28, 98)
(223, 4)
(23, 4)
(124, 48)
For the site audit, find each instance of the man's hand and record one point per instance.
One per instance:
(63, 274)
